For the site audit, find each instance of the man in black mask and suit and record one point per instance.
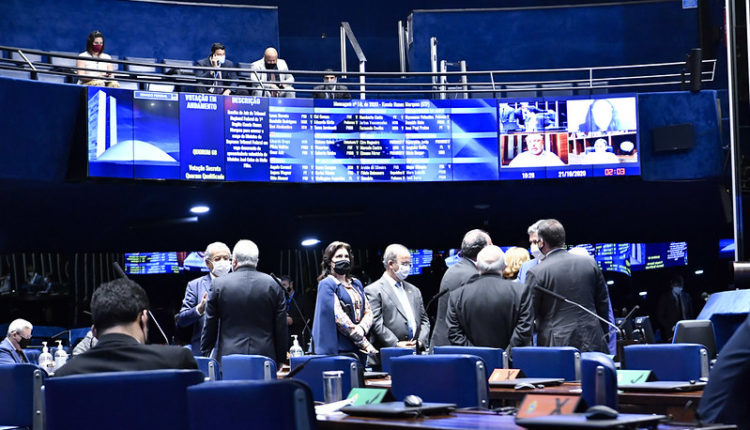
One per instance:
(329, 89)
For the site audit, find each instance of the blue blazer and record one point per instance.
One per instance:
(8, 354)
(326, 338)
(188, 315)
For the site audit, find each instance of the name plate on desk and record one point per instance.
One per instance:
(367, 396)
(627, 377)
(538, 405)
(504, 374)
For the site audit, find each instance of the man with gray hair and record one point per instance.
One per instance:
(246, 309)
(193, 310)
(456, 275)
(398, 315)
(533, 248)
(490, 310)
(17, 338)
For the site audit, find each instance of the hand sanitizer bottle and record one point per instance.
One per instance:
(46, 361)
(61, 357)
(295, 350)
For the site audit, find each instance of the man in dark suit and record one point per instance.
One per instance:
(398, 315)
(489, 310)
(119, 310)
(574, 277)
(217, 60)
(193, 311)
(673, 306)
(456, 275)
(329, 89)
(246, 309)
(726, 396)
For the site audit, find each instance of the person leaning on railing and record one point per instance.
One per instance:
(97, 69)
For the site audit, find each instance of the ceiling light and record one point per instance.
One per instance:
(200, 209)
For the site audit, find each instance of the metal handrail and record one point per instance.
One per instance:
(347, 33)
(598, 77)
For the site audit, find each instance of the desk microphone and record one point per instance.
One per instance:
(566, 300)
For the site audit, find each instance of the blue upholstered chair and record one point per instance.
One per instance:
(22, 386)
(76, 333)
(247, 367)
(548, 361)
(669, 362)
(598, 379)
(210, 368)
(494, 358)
(153, 399)
(315, 365)
(262, 405)
(386, 354)
(445, 378)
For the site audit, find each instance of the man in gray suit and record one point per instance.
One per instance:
(247, 310)
(473, 242)
(398, 315)
(271, 76)
(576, 278)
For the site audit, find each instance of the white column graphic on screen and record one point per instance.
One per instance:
(97, 121)
(112, 121)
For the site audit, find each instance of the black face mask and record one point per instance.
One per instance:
(271, 66)
(342, 267)
(24, 343)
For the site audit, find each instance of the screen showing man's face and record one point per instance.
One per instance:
(535, 144)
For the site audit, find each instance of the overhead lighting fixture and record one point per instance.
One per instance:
(311, 241)
(610, 282)
(200, 209)
(699, 272)
(643, 294)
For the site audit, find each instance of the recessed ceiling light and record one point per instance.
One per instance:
(310, 241)
(699, 272)
(200, 209)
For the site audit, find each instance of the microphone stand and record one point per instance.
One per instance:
(299, 311)
(122, 274)
(620, 337)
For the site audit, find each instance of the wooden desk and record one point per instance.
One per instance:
(457, 420)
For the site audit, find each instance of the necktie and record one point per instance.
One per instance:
(272, 78)
(402, 292)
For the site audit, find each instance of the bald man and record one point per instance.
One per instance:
(269, 79)
(490, 310)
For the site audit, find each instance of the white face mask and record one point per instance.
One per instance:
(535, 251)
(220, 60)
(677, 289)
(221, 268)
(402, 272)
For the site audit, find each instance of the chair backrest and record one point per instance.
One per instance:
(178, 65)
(494, 358)
(669, 362)
(598, 379)
(140, 68)
(445, 378)
(696, 331)
(521, 91)
(209, 367)
(248, 367)
(548, 361)
(230, 404)
(22, 385)
(34, 58)
(315, 365)
(154, 399)
(386, 354)
(77, 333)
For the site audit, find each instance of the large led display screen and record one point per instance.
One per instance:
(207, 137)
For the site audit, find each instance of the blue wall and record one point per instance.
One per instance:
(556, 37)
(139, 29)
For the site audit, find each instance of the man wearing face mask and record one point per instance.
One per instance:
(246, 310)
(193, 311)
(674, 305)
(119, 310)
(534, 249)
(329, 89)
(271, 77)
(398, 314)
(217, 76)
(18, 338)
(489, 310)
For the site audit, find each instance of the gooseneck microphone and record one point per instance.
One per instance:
(299, 311)
(122, 274)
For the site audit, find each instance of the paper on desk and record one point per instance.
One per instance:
(330, 408)
(379, 383)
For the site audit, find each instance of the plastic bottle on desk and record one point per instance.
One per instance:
(46, 361)
(61, 357)
(295, 350)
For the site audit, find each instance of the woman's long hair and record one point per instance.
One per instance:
(325, 265)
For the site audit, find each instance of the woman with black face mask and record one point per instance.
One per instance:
(342, 312)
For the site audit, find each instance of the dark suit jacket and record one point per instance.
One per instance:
(389, 324)
(321, 92)
(490, 311)
(225, 74)
(576, 278)
(8, 353)
(668, 312)
(117, 352)
(726, 396)
(247, 310)
(452, 279)
(188, 316)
